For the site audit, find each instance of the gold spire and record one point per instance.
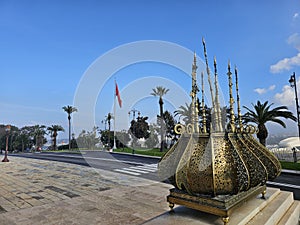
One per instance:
(238, 100)
(217, 108)
(231, 100)
(194, 113)
(208, 73)
(203, 108)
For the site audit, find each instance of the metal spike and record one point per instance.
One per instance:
(238, 99)
(231, 100)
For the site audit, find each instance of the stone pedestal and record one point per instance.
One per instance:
(278, 207)
(222, 205)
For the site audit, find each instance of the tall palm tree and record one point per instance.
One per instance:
(38, 133)
(160, 91)
(185, 112)
(109, 117)
(69, 110)
(263, 114)
(54, 129)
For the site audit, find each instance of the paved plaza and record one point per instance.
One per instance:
(46, 192)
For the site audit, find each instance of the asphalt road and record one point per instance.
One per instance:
(141, 166)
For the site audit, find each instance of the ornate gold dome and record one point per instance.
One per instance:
(221, 161)
(218, 163)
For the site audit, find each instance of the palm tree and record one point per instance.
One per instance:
(109, 117)
(263, 114)
(69, 110)
(160, 92)
(38, 133)
(185, 112)
(54, 129)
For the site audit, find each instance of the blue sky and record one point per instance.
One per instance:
(47, 47)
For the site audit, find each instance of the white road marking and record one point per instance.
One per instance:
(284, 185)
(125, 171)
(138, 170)
(146, 169)
(135, 170)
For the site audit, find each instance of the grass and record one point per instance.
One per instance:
(290, 165)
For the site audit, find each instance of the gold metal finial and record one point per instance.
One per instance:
(203, 107)
(217, 108)
(194, 67)
(231, 101)
(238, 99)
(208, 75)
(194, 112)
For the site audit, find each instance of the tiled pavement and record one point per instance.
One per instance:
(44, 192)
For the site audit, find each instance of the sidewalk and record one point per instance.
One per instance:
(45, 192)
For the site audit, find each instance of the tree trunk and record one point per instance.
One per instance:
(69, 118)
(262, 141)
(262, 134)
(161, 124)
(54, 140)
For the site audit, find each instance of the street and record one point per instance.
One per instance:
(141, 166)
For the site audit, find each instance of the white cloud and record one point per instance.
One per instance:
(288, 63)
(294, 40)
(295, 16)
(286, 96)
(272, 87)
(285, 64)
(261, 91)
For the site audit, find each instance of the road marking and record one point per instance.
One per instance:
(146, 169)
(124, 171)
(134, 170)
(138, 170)
(151, 165)
(284, 185)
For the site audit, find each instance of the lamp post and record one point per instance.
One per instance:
(293, 84)
(7, 129)
(104, 122)
(133, 113)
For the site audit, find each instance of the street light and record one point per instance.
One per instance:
(104, 122)
(293, 84)
(7, 129)
(133, 113)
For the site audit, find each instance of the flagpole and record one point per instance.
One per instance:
(115, 95)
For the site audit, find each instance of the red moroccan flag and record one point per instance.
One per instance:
(118, 95)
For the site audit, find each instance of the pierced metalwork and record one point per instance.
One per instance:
(220, 164)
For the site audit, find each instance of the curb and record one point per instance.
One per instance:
(295, 172)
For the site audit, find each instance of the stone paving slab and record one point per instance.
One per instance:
(44, 192)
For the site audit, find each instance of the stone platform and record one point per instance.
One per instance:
(39, 192)
(278, 208)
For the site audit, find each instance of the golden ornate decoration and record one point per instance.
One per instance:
(225, 162)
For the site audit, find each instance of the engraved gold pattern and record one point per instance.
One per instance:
(219, 167)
